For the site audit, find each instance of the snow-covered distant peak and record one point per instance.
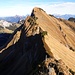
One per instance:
(65, 16)
(4, 23)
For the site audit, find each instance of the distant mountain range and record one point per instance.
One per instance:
(9, 27)
(66, 16)
(13, 18)
(18, 18)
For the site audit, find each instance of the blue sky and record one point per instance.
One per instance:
(23, 7)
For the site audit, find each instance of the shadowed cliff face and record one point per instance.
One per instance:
(3, 38)
(23, 56)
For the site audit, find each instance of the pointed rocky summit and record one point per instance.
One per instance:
(43, 45)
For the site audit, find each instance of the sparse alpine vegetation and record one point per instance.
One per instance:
(32, 20)
(43, 33)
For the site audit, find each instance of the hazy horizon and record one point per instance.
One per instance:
(24, 7)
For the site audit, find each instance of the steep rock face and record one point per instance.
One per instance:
(60, 39)
(26, 49)
(23, 51)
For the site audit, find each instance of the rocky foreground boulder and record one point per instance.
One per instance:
(43, 45)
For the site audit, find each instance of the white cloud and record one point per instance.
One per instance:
(60, 8)
(54, 8)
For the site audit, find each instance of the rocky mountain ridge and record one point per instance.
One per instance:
(43, 45)
(59, 31)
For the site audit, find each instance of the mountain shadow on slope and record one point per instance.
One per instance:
(3, 38)
(23, 56)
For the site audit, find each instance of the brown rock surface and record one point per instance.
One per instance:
(26, 48)
(61, 37)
